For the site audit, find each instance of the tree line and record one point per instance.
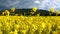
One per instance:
(33, 11)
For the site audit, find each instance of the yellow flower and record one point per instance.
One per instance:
(56, 32)
(0, 25)
(11, 32)
(12, 9)
(16, 14)
(43, 25)
(58, 27)
(3, 13)
(57, 12)
(48, 26)
(15, 32)
(1, 32)
(32, 12)
(34, 9)
(34, 27)
(52, 10)
(7, 12)
(16, 26)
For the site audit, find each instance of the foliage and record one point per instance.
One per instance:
(33, 12)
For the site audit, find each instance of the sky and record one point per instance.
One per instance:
(40, 4)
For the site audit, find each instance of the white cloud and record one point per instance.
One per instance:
(50, 3)
(38, 2)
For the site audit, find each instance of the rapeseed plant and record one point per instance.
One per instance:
(30, 24)
(34, 9)
(12, 9)
(7, 12)
(52, 10)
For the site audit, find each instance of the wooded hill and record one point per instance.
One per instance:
(27, 12)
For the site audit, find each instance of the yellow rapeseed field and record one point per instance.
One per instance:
(29, 25)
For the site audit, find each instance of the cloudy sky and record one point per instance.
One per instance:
(40, 4)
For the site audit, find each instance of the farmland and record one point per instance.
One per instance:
(29, 22)
(29, 25)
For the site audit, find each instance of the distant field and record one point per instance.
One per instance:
(29, 25)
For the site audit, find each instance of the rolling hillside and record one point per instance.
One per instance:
(27, 12)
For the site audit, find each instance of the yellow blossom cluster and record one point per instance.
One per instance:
(29, 25)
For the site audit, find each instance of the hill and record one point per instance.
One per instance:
(27, 12)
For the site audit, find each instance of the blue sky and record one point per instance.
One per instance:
(40, 4)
